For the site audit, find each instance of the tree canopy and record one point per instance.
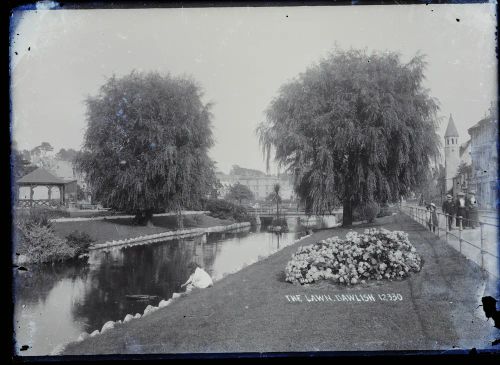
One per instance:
(432, 188)
(20, 165)
(354, 127)
(146, 144)
(43, 148)
(67, 154)
(239, 192)
(274, 196)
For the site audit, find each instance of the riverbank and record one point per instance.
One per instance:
(115, 229)
(255, 310)
(170, 235)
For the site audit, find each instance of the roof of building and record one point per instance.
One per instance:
(482, 122)
(63, 169)
(40, 176)
(451, 130)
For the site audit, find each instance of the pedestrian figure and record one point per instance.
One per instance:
(199, 278)
(449, 209)
(472, 210)
(433, 218)
(460, 209)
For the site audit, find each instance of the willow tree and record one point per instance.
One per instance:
(146, 144)
(352, 129)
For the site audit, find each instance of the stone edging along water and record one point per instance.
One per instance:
(163, 236)
(106, 217)
(158, 237)
(150, 308)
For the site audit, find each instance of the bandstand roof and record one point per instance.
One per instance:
(42, 177)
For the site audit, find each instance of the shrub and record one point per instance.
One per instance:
(198, 218)
(37, 240)
(384, 212)
(376, 254)
(223, 209)
(192, 220)
(40, 244)
(366, 212)
(35, 216)
(279, 222)
(80, 241)
(240, 214)
(253, 221)
(219, 208)
(41, 216)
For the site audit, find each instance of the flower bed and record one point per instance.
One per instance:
(374, 255)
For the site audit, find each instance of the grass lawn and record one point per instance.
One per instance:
(116, 229)
(251, 310)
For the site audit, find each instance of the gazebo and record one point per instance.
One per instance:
(42, 177)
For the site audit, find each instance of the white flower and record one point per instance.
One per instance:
(345, 260)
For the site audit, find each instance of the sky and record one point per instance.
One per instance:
(240, 57)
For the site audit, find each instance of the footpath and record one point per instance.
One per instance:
(256, 310)
(473, 239)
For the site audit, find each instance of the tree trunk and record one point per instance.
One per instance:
(144, 218)
(149, 219)
(347, 213)
(180, 218)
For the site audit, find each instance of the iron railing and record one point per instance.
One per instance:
(49, 203)
(422, 216)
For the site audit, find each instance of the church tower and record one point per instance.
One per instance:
(451, 153)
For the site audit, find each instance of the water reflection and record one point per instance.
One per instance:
(55, 304)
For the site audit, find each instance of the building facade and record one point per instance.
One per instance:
(260, 184)
(461, 181)
(484, 153)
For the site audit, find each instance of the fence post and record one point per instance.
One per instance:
(481, 235)
(446, 226)
(460, 233)
(438, 223)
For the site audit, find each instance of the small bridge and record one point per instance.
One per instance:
(266, 215)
